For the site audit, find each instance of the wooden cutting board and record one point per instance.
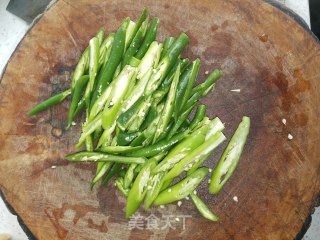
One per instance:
(261, 51)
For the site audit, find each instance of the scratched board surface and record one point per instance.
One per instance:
(262, 52)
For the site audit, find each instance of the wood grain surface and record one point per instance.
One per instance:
(261, 51)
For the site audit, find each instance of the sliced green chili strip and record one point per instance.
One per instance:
(119, 149)
(159, 147)
(180, 93)
(154, 188)
(125, 138)
(149, 38)
(80, 68)
(189, 144)
(129, 175)
(194, 74)
(102, 171)
(135, 44)
(230, 157)
(168, 107)
(130, 33)
(166, 45)
(116, 167)
(125, 118)
(166, 63)
(199, 115)
(203, 208)
(102, 157)
(106, 74)
(182, 189)
(54, 100)
(213, 77)
(119, 184)
(187, 163)
(76, 96)
(139, 189)
(183, 116)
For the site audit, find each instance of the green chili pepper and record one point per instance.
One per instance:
(165, 133)
(102, 171)
(151, 116)
(182, 189)
(166, 63)
(139, 188)
(165, 85)
(196, 165)
(119, 149)
(150, 59)
(133, 28)
(213, 77)
(80, 68)
(80, 106)
(166, 45)
(159, 147)
(153, 189)
(82, 65)
(116, 167)
(130, 33)
(106, 74)
(94, 63)
(134, 62)
(191, 101)
(100, 35)
(89, 143)
(207, 90)
(111, 101)
(183, 116)
(168, 107)
(194, 74)
(119, 183)
(186, 147)
(203, 208)
(104, 46)
(76, 95)
(126, 118)
(99, 104)
(97, 133)
(137, 91)
(122, 173)
(54, 100)
(147, 134)
(135, 44)
(180, 92)
(105, 50)
(102, 157)
(149, 38)
(186, 163)
(143, 16)
(125, 138)
(199, 115)
(89, 128)
(129, 175)
(138, 168)
(230, 157)
(165, 183)
(138, 140)
(112, 108)
(136, 121)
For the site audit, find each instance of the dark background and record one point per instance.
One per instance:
(315, 16)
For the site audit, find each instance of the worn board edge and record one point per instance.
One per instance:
(282, 8)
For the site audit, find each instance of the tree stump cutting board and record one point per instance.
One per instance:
(262, 51)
